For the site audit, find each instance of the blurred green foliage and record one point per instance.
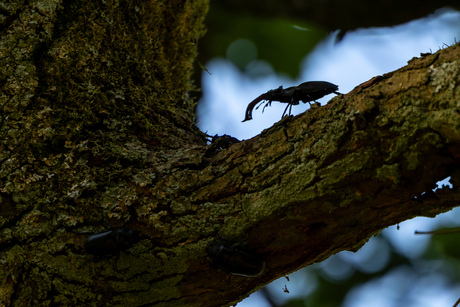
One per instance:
(281, 42)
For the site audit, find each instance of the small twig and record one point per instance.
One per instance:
(439, 232)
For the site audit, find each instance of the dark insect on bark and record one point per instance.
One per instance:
(112, 242)
(305, 92)
(235, 260)
(220, 142)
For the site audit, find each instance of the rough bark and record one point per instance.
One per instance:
(96, 130)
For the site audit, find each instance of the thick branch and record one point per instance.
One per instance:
(331, 178)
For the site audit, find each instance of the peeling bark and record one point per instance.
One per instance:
(96, 130)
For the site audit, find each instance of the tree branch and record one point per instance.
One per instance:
(325, 181)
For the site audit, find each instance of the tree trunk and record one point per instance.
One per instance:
(97, 132)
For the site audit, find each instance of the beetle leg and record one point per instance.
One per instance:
(289, 105)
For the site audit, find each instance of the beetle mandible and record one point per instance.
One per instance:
(305, 92)
(235, 260)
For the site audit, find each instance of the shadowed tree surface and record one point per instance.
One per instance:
(96, 130)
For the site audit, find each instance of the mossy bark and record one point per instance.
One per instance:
(96, 130)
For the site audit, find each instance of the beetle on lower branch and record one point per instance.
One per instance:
(235, 260)
(112, 242)
(305, 92)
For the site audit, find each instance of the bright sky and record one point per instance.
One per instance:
(361, 55)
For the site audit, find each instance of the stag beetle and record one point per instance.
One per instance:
(305, 92)
(235, 260)
(220, 142)
(112, 242)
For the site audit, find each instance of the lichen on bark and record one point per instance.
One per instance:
(87, 90)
